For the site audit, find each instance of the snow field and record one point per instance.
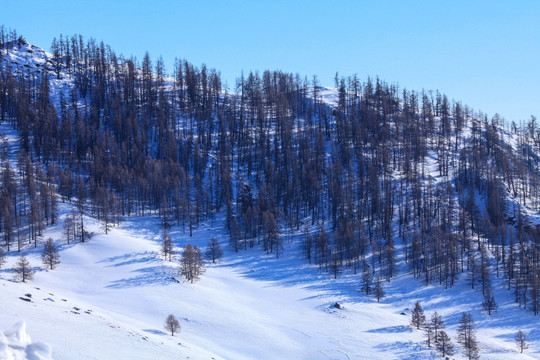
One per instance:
(248, 306)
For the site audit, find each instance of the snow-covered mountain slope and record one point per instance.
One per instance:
(109, 298)
(59, 311)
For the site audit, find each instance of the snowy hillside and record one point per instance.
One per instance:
(15, 343)
(109, 299)
(424, 215)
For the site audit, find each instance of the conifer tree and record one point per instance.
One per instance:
(213, 250)
(50, 255)
(418, 319)
(444, 344)
(167, 246)
(22, 269)
(489, 303)
(2, 257)
(367, 278)
(191, 263)
(521, 341)
(467, 337)
(433, 327)
(436, 323)
(378, 289)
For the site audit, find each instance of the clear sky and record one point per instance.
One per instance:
(484, 53)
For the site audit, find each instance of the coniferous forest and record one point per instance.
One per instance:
(363, 169)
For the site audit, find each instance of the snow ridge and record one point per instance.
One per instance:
(24, 58)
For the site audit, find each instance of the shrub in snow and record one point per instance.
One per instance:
(15, 344)
(418, 318)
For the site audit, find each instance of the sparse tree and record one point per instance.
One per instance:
(167, 246)
(430, 335)
(489, 303)
(521, 341)
(213, 250)
(379, 290)
(443, 343)
(307, 244)
(2, 257)
(418, 318)
(367, 278)
(22, 269)
(191, 264)
(334, 266)
(467, 337)
(172, 324)
(69, 228)
(435, 325)
(107, 222)
(50, 255)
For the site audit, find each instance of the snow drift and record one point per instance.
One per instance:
(16, 344)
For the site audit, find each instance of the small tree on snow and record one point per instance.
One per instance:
(172, 324)
(443, 343)
(521, 341)
(489, 303)
(334, 266)
(435, 325)
(69, 228)
(213, 250)
(2, 257)
(467, 337)
(430, 335)
(378, 290)
(50, 255)
(367, 278)
(167, 246)
(22, 269)
(191, 263)
(418, 318)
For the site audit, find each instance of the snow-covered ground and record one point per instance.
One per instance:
(109, 298)
(16, 344)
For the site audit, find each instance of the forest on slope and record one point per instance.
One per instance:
(366, 168)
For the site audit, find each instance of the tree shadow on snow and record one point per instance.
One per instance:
(292, 270)
(392, 330)
(407, 350)
(130, 259)
(154, 331)
(159, 275)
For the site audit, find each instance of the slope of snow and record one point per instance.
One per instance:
(15, 344)
(110, 296)
(76, 331)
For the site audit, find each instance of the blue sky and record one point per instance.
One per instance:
(484, 53)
